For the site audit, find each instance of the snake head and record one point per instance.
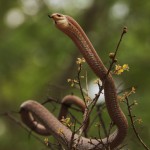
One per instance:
(60, 20)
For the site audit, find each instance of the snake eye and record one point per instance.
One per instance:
(58, 15)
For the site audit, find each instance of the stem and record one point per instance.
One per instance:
(99, 112)
(133, 125)
(116, 50)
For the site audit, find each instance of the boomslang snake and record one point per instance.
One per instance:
(51, 125)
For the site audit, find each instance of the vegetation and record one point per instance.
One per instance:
(36, 59)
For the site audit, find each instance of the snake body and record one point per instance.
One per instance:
(39, 128)
(71, 28)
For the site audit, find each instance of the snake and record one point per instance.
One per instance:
(66, 102)
(51, 124)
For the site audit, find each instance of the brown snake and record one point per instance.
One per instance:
(51, 124)
(66, 102)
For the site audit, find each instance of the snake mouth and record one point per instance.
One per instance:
(49, 16)
(52, 17)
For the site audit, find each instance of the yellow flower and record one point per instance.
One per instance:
(120, 98)
(139, 121)
(97, 81)
(46, 141)
(72, 82)
(80, 61)
(87, 98)
(120, 69)
(60, 131)
(133, 89)
(135, 102)
(75, 81)
(68, 80)
(125, 67)
(67, 122)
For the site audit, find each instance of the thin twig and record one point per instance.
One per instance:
(72, 137)
(11, 117)
(109, 132)
(116, 50)
(51, 99)
(99, 112)
(22, 126)
(80, 86)
(133, 125)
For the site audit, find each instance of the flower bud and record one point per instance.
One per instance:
(111, 55)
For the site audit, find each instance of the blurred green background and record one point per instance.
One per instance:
(36, 58)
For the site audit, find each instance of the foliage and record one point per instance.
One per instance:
(29, 51)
